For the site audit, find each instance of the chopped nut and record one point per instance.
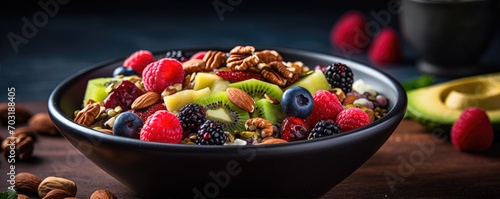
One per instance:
(268, 56)
(213, 60)
(339, 93)
(242, 58)
(262, 127)
(371, 115)
(194, 65)
(170, 90)
(107, 131)
(296, 67)
(271, 99)
(88, 114)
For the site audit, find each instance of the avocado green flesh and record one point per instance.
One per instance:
(439, 106)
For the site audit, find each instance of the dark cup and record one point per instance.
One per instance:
(450, 36)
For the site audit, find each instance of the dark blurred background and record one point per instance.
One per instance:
(84, 33)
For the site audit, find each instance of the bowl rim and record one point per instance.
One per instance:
(56, 112)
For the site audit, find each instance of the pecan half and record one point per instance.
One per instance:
(242, 58)
(213, 60)
(268, 56)
(88, 114)
(282, 69)
(272, 76)
(193, 65)
(261, 126)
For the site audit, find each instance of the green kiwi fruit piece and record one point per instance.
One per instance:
(257, 89)
(270, 112)
(218, 108)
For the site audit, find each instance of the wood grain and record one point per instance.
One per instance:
(419, 163)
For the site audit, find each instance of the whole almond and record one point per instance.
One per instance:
(50, 183)
(240, 99)
(22, 114)
(57, 194)
(22, 196)
(146, 100)
(27, 182)
(42, 124)
(271, 140)
(102, 194)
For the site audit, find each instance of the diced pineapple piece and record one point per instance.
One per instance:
(182, 98)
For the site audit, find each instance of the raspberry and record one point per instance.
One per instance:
(162, 126)
(326, 106)
(352, 118)
(349, 33)
(146, 112)
(339, 76)
(191, 116)
(236, 76)
(294, 128)
(325, 128)
(211, 133)
(124, 95)
(472, 131)
(163, 73)
(385, 47)
(139, 60)
(177, 55)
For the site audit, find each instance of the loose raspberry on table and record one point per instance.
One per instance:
(352, 118)
(325, 128)
(139, 60)
(162, 126)
(163, 73)
(211, 133)
(385, 47)
(349, 32)
(326, 106)
(146, 112)
(472, 131)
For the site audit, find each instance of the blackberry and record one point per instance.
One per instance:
(324, 128)
(178, 55)
(211, 133)
(191, 117)
(339, 76)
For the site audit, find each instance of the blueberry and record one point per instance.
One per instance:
(297, 102)
(127, 124)
(120, 70)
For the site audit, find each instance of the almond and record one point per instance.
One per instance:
(240, 99)
(349, 100)
(22, 114)
(57, 194)
(27, 182)
(271, 140)
(42, 124)
(102, 194)
(51, 183)
(22, 196)
(146, 100)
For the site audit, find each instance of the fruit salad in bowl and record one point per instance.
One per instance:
(244, 97)
(228, 122)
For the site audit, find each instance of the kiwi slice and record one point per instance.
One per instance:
(257, 89)
(218, 108)
(271, 112)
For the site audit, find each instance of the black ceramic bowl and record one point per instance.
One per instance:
(296, 169)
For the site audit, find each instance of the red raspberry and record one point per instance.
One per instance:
(163, 73)
(139, 60)
(236, 76)
(146, 112)
(472, 131)
(349, 33)
(162, 126)
(352, 118)
(385, 47)
(326, 106)
(199, 55)
(294, 128)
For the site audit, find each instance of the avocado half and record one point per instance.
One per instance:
(440, 105)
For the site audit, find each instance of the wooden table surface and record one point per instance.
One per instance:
(413, 163)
